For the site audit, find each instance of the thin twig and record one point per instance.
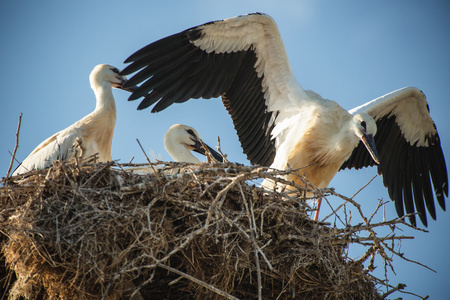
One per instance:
(364, 186)
(16, 146)
(198, 281)
(408, 260)
(399, 287)
(143, 151)
(146, 157)
(219, 149)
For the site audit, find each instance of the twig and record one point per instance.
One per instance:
(16, 146)
(364, 186)
(334, 211)
(146, 157)
(143, 151)
(399, 287)
(222, 194)
(219, 149)
(198, 281)
(408, 260)
(209, 157)
(344, 240)
(380, 204)
(254, 235)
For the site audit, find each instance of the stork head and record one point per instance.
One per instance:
(365, 128)
(106, 73)
(179, 140)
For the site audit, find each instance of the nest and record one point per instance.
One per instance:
(101, 231)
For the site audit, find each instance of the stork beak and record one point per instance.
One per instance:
(198, 147)
(122, 86)
(369, 142)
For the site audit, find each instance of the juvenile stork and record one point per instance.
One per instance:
(280, 125)
(92, 134)
(180, 140)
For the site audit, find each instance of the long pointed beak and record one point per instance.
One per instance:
(122, 85)
(198, 147)
(369, 142)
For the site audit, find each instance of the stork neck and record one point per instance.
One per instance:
(105, 98)
(180, 153)
(343, 143)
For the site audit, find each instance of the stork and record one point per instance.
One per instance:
(279, 124)
(180, 140)
(93, 133)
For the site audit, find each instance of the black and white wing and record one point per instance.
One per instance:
(410, 152)
(241, 59)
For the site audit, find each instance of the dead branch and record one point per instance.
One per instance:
(13, 156)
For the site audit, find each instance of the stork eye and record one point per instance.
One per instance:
(364, 125)
(115, 70)
(190, 132)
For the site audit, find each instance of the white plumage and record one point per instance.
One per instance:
(91, 135)
(279, 124)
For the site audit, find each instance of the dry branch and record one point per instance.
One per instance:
(13, 155)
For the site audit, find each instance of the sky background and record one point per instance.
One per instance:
(348, 51)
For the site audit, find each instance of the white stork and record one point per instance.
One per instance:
(180, 140)
(93, 133)
(279, 124)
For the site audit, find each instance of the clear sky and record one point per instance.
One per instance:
(348, 51)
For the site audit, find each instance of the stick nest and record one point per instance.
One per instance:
(100, 231)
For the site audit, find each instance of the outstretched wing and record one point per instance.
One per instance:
(241, 59)
(409, 150)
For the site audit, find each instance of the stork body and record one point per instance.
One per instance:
(92, 134)
(318, 141)
(279, 124)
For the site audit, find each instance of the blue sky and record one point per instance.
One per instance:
(348, 51)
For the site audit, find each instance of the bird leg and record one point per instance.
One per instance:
(316, 215)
